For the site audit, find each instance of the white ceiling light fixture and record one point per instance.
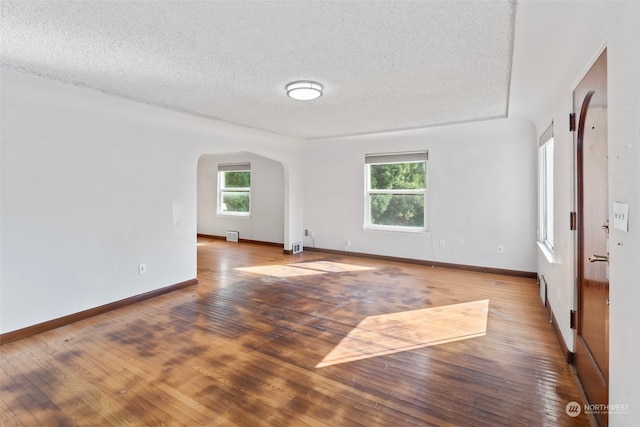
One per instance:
(304, 90)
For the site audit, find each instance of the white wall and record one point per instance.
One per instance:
(624, 186)
(481, 194)
(571, 36)
(93, 185)
(266, 223)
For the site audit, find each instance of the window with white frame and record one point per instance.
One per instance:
(396, 191)
(234, 189)
(546, 187)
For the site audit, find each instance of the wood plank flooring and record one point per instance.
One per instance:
(241, 348)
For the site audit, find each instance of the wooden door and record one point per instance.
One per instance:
(592, 332)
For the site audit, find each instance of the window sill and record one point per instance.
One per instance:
(548, 254)
(234, 215)
(396, 231)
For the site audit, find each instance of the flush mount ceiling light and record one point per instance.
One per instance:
(304, 90)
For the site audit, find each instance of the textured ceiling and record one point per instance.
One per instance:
(385, 65)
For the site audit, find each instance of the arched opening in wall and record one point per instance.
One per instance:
(240, 194)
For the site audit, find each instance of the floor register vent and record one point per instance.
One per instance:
(232, 236)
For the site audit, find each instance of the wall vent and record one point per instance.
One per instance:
(297, 248)
(232, 236)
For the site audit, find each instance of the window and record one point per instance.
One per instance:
(234, 189)
(546, 188)
(396, 191)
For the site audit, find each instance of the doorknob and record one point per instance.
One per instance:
(599, 258)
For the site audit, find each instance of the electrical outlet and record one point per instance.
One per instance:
(142, 268)
(500, 249)
(442, 243)
(308, 232)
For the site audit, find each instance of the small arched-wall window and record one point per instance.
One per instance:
(234, 189)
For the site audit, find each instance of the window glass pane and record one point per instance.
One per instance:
(240, 179)
(398, 176)
(406, 210)
(235, 201)
(548, 192)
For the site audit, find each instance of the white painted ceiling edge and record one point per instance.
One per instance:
(385, 66)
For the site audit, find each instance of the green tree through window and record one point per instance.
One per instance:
(237, 179)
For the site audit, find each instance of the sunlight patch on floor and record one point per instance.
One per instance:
(280, 271)
(303, 269)
(408, 330)
(331, 267)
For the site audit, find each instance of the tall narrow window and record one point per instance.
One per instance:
(546, 188)
(396, 191)
(234, 189)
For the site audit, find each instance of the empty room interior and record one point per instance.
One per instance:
(278, 213)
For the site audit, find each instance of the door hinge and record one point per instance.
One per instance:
(572, 122)
(572, 319)
(573, 221)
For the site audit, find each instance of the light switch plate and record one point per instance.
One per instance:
(621, 216)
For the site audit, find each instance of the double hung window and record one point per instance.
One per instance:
(234, 189)
(396, 191)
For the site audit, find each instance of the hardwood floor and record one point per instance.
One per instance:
(241, 348)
